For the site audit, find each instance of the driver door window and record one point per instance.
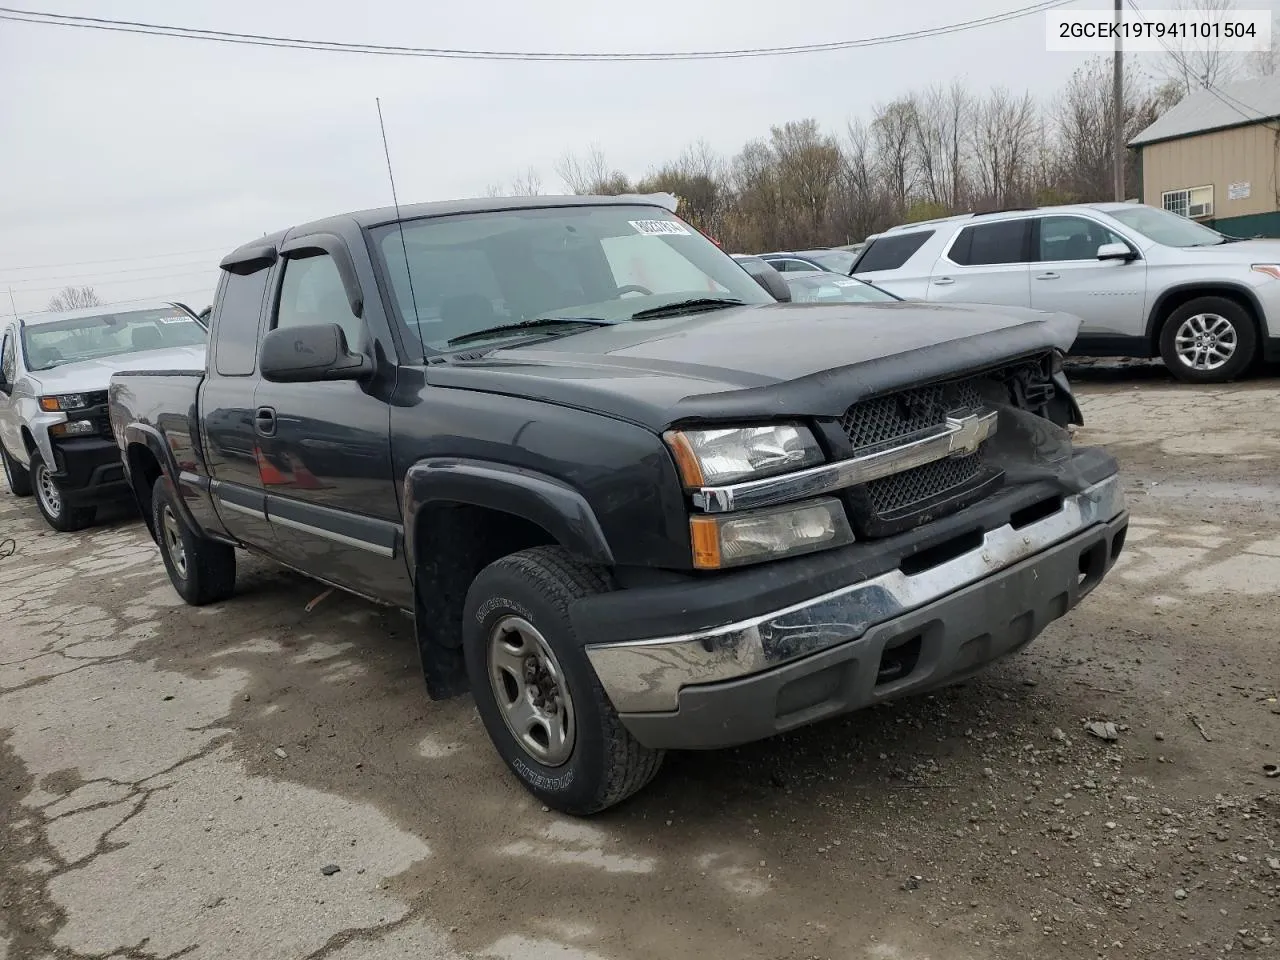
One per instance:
(312, 293)
(8, 363)
(1064, 239)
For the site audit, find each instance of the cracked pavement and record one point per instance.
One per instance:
(174, 781)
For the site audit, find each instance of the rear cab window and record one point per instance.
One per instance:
(891, 252)
(236, 316)
(989, 244)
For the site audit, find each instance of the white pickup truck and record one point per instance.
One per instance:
(55, 438)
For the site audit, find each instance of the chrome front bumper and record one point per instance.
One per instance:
(645, 676)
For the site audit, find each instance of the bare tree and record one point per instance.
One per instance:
(940, 121)
(528, 184)
(591, 175)
(1266, 63)
(893, 127)
(74, 298)
(929, 153)
(1002, 142)
(1195, 64)
(699, 178)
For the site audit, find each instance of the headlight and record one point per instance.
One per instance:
(735, 539)
(709, 457)
(1270, 269)
(64, 401)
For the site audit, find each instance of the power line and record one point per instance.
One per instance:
(90, 276)
(211, 271)
(1235, 104)
(145, 256)
(454, 53)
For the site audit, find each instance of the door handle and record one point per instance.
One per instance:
(942, 280)
(1047, 276)
(264, 421)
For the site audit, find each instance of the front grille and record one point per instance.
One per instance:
(889, 495)
(896, 502)
(883, 420)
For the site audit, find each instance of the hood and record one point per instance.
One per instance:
(782, 359)
(1244, 251)
(96, 374)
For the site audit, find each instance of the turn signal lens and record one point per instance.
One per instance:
(73, 428)
(50, 404)
(733, 540)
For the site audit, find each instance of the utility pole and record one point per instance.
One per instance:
(12, 303)
(1117, 112)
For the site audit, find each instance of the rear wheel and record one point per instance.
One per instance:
(52, 503)
(1208, 340)
(15, 474)
(539, 698)
(201, 570)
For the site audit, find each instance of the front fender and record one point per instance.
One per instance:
(38, 422)
(550, 503)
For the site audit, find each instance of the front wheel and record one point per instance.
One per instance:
(1208, 340)
(539, 698)
(15, 474)
(201, 570)
(52, 503)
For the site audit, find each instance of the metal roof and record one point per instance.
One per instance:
(1231, 105)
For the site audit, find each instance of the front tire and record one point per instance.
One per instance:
(51, 502)
(1208, 340)
(540, 700)
(15, 474)
(201, 570)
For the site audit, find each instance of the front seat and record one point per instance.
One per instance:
(146, 338)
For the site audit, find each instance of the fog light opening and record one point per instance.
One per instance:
(898, 661)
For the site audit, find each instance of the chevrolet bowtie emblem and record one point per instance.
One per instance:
(968, 432)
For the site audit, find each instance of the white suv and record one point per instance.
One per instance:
(1144, 282)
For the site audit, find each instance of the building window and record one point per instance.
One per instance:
(1193, 203)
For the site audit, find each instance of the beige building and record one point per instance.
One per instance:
(1215, 157)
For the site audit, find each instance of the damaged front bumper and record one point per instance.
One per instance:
(908, 628)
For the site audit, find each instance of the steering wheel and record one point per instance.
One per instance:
(634, 288)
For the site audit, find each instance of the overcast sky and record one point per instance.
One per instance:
(162, 153)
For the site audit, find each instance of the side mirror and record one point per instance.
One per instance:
(308, 354)
(1115, 251)
(770, 279)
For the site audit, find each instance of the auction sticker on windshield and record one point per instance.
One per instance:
(659, 228)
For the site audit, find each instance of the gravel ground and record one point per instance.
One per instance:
(179, 782)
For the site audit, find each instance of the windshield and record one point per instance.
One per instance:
(816, 288)
(1167, 228)
(477, 271)
(55, 342)
(837, 261)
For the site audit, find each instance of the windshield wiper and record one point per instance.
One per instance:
(528, 325)
(692, 305)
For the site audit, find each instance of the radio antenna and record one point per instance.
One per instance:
(404, 248)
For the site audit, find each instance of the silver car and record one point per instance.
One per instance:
(1144, 282)
(55, 439)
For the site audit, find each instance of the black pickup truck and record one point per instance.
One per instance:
(632, 501)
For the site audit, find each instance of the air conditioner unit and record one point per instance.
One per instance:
(1199, 210)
